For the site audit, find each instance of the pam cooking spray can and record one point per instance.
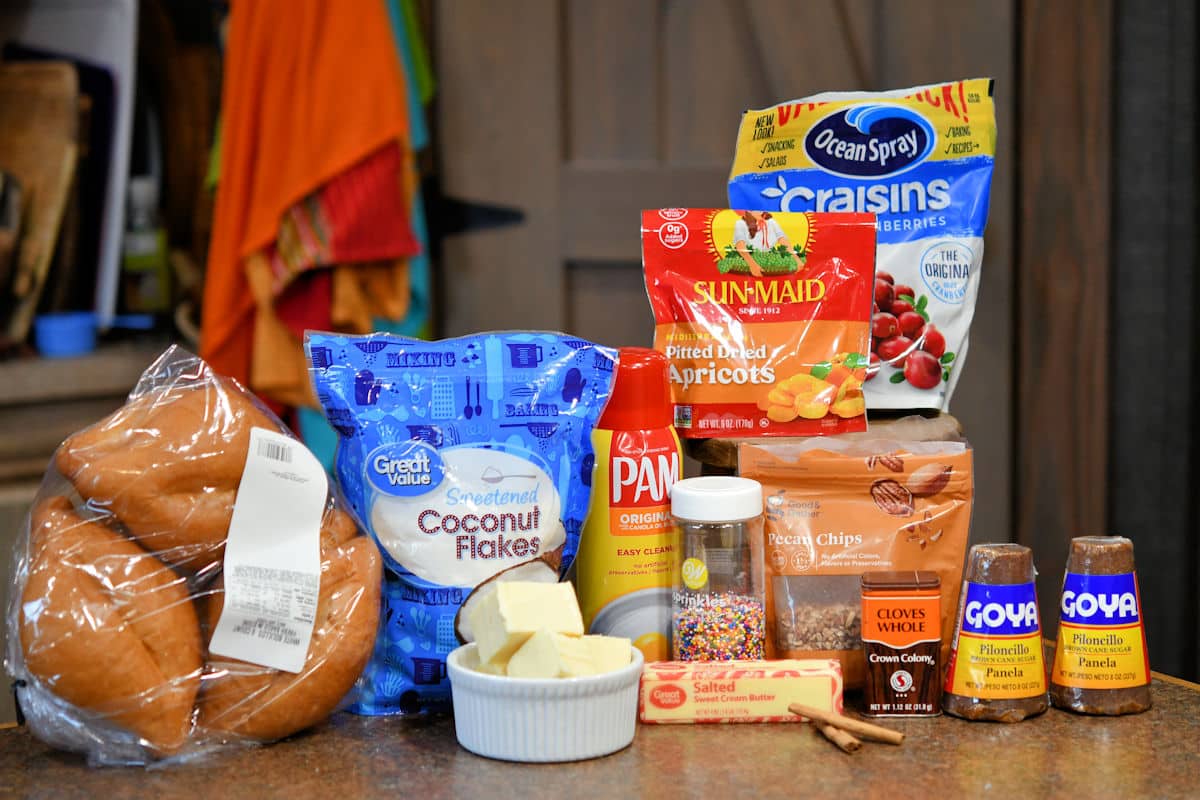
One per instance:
(629, 543)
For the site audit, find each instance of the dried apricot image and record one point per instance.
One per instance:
(800, 395)
(849, 401)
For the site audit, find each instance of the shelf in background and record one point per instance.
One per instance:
(111, 370)
(43, 400)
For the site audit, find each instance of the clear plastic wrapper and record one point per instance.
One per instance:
(122, 568)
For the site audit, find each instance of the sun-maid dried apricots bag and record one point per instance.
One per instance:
(764, 318)
(836, 509)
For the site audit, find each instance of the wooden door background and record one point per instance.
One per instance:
(583, 113)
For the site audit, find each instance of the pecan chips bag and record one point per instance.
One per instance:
(836, 509)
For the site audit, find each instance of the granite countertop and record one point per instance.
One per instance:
(1154, 754)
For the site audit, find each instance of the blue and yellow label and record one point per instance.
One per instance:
(1101, 639)
(997, 654)
(919, 159)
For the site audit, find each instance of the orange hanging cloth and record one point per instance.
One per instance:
(310, 89)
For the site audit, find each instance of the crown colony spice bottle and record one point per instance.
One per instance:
(902, 642)
(1101, 663)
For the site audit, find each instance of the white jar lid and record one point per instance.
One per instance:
(716, 498)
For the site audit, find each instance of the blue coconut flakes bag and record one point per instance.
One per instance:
(463, 458)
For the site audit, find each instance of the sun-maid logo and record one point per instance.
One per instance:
(763, 292)
(760, 253)
(870, 140)
(668, 696)
(405, 469)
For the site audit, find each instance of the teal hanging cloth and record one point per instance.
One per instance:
(422, 69)
(406, 31)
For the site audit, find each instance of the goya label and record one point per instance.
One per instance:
(763, 318)
(1101, 638)
(997, 653)
(921, 160)
(463, 457)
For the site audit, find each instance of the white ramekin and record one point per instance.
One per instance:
(543, 719)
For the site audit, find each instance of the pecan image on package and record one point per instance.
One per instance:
(929, 480)
(892, 498)
(888, 461)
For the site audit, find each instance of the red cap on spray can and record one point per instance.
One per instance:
(641, 394)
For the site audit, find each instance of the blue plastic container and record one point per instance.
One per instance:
(62, 334)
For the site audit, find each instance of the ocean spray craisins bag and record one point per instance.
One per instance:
(464, 457)
(764, 318)
(921, 160)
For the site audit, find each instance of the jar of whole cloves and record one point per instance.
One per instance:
(902, 643)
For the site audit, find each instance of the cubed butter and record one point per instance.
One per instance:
(470, 660)
(555, 655)
(488, 668)
(507, 617)
(609, 653)
(737, 691)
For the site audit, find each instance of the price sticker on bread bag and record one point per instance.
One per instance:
(272, 568)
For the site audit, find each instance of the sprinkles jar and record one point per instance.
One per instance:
(718, 590)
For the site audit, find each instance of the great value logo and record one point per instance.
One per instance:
(870, 140)
(405, 469)
(668, 696)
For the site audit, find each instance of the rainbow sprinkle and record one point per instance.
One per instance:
(726, 626)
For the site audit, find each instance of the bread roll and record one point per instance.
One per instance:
(266, 704)
(168, 465)
(109, 628)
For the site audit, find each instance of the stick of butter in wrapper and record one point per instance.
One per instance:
(685, 692)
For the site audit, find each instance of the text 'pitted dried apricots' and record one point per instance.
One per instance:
(764, 318)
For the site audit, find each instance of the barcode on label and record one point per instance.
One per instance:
(275, 451)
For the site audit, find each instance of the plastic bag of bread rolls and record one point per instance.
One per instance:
(187, 579)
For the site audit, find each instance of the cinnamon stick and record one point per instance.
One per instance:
(838, 736)
(863, 729)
